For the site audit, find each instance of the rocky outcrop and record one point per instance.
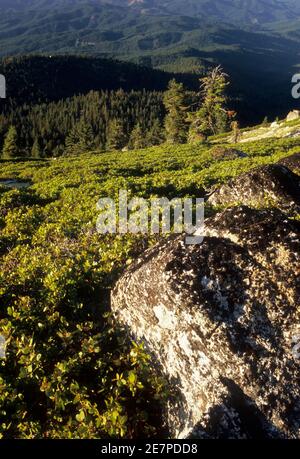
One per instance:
(293, 115)
(276, 130)
(272, 185)
(292, 162)
(220, 320)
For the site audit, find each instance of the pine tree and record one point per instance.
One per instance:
(137, 138)
(212, 117)
(36, 151)
(10, 146)
(80, 139)
(155, 135)
(175, 102)
(115, 138)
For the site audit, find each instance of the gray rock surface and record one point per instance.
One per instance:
(220, 320)
(266, 186)
(293, 115)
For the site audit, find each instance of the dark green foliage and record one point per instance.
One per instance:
(212, 117)
(116, 138)
(137, 138)
(155, 135)
(67, 76)
(175, 101)
(36, 151)
(102, 120)
(10, 146)
(54, 122)
(80, 139)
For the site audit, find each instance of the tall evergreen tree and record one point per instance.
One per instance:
(10, 146)
(115, 137)
(137, 138)
(80, 139)
(212, 117)
(175, 102)
(36, 151)
(155, 135)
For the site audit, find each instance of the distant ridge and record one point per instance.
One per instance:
(45, 78)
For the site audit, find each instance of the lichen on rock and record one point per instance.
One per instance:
(219, 320)
(265, 186)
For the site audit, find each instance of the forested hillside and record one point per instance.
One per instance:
(99, 120)
(260, 55)
(52, 99)
(33, 79)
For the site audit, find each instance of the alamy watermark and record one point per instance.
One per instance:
(154, 216)
(2, 87)
(296, 87)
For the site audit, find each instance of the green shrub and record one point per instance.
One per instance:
(69, 371)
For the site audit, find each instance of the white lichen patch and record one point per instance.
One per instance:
(221, 319)
(166, 318)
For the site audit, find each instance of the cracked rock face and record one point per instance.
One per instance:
(220, 320)
(272, 185)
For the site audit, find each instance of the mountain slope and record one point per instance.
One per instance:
(247, 11)
(235, 11)
(32, 79)
(176, 36)
(136, 27)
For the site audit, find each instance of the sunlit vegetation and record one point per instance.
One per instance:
(70, 371)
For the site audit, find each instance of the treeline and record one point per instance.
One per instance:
(98, 120)
(115, 120)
